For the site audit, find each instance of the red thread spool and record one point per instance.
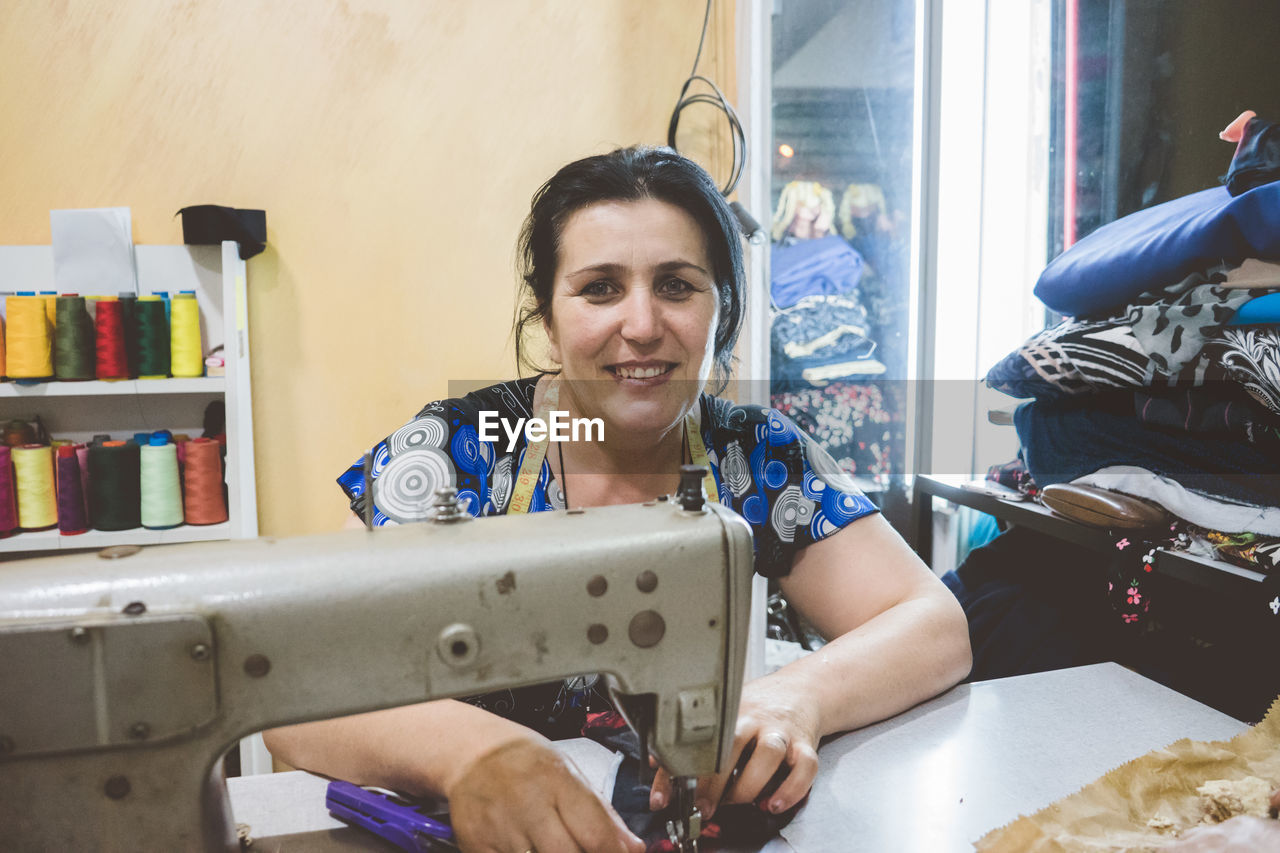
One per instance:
(202, 498)
(112, 361)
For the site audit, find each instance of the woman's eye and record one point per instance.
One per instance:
(597, 289)
(676, 287)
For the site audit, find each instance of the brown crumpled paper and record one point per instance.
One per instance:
(1111, 813)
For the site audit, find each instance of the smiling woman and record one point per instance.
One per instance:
(632, 265)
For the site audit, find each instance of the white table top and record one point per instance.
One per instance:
(933, 779)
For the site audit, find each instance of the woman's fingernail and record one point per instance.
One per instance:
(657, 801)
(705, 807)
(775, 806)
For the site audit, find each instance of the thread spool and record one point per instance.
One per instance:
(161, 486)
(153, 337)
(110, 361)
(33, 475)
(8, 497)
(28, 338)
(204, 501)
(114, 486)
(82, 457)
(128, 308)
(3, 371)
(71, 514)
(18, 432)
(74, 356)
(186, 351)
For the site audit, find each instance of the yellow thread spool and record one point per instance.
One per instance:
(2, 363)
(186, 355)
(33, 476)
(28, 338)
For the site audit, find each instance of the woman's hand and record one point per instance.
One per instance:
(776, 734)
(523, 795)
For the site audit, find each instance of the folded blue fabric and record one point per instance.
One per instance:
(1262, 309)
(828, 265)
(1152, 248)
(1066, 439)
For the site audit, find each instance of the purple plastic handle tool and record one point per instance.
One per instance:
(400, 823)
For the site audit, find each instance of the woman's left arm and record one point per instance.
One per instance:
(896, 635)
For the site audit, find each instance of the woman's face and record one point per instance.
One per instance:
(633, 313)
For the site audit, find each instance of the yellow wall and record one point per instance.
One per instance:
(394, 146)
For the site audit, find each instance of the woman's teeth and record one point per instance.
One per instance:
(640, 372)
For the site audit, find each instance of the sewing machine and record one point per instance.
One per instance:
(125, 676)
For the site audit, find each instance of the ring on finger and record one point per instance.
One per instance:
(778, 738)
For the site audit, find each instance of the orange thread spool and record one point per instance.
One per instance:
(202, 498)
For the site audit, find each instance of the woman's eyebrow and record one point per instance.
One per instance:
(614, 269)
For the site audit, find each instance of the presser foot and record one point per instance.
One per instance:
(683, 833)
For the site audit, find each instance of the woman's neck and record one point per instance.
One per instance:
(623, 468)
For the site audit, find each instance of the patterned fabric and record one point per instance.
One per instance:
(1014, 475)
(1089, 356)
(1173, 324)
(787, 488)
(1246, 549)
(827, 335)
(1251, 357)
(860, 424)
(1129, 567)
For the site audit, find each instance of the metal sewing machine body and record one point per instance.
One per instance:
(125, 681)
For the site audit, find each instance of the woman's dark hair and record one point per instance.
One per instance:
(630, 174)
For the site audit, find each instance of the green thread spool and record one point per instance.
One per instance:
(114, 486)
(153, 337)
(74, 357)
(187, 356)
(161, 500)
(128, 303)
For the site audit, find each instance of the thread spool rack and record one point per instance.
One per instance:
(80, 410)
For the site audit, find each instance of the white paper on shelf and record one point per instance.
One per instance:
(93, 251)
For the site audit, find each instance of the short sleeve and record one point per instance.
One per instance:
(438, 448)
(784, 484)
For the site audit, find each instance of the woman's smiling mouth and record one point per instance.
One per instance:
(641, 372)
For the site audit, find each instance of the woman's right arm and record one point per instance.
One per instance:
(508, 788)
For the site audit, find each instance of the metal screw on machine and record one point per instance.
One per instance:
(117, 787)
(256, 666)
(447, 508)
(200, 651)
(79, 635)
(140, 731)
(458, 645)
(690, 494)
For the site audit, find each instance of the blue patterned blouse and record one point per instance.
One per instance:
(766, 468)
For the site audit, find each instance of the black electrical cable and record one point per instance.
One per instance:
(717, 100)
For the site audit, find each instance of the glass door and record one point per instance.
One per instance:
(844, 160)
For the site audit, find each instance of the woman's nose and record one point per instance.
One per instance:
(642, 317)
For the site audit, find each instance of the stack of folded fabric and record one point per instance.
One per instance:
(1163, 381)
(820, 331)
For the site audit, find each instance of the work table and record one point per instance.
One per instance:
(932, 779)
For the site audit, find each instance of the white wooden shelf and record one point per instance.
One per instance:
(107, 388)
(52, 540)
(81, 410)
